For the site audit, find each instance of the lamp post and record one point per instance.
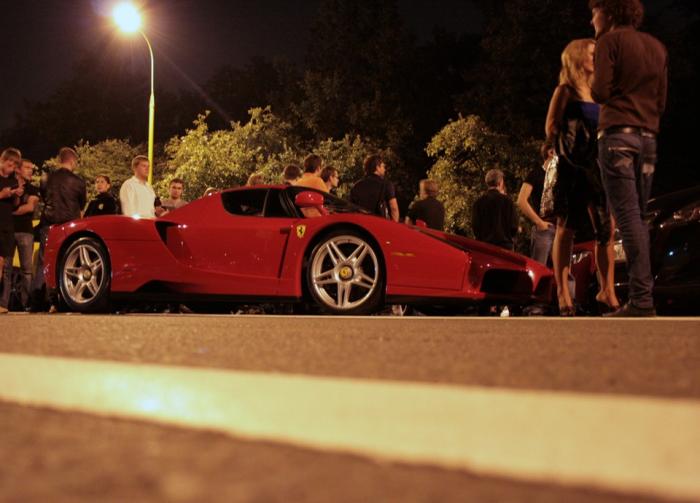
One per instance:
(127, 18)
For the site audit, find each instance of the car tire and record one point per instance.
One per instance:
(345, 274)
(84, 276)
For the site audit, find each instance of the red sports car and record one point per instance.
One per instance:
(284, 245)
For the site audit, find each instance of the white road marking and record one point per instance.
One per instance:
(628, 444)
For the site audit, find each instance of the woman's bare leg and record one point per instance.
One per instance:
(605, 264)
(561, 257)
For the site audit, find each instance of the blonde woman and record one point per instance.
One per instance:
(571, 125)
(255, 179)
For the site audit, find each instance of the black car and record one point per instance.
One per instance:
(674, 231)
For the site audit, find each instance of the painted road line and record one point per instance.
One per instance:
(618, 443)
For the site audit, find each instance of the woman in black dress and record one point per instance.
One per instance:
(571, 126)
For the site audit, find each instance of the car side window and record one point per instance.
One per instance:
(249, 203)
(275, 208)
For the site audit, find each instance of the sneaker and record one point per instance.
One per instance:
(629, 310)
(3, 310)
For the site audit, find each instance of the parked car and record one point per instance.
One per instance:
(255, 244)
(674, 231)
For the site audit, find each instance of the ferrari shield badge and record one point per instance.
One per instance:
(301, 230)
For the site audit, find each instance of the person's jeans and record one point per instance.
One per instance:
(24, 242)
(627, 163)
(541, 243)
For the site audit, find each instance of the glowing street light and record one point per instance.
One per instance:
(127, 17)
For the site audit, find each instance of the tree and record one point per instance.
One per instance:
(226, 158)
(108, 157)
(232, 91)
(100, 100)
(463, 151)
(520, 60)
(355, 72)
(347, 156)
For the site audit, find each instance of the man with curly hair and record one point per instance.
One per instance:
(629, 82)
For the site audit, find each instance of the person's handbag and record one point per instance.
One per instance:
(550, 179)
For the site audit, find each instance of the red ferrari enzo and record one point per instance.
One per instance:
(284, 245)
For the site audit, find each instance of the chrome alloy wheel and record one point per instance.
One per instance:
(83, 273)
(345, 272)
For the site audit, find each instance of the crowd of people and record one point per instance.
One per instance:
(598, 158)
(64, 197)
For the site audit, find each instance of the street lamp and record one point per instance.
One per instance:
(126, 16)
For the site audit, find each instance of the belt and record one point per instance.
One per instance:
(626, 130)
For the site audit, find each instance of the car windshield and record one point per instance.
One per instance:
(331, 203)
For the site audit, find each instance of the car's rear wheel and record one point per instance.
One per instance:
(84, 276)
(345, 274)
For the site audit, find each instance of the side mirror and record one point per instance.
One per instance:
(308, 199)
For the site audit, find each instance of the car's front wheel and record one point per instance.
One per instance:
(345, 274)
(84, 276)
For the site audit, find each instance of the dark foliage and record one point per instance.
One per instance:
(366, 75)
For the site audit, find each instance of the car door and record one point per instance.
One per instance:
(242, 246)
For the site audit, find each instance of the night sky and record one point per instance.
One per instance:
(42, 39)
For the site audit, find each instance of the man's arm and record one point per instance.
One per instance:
(127, 197)
(528, 210)
(394, 209)
(27, 207)
(410, 217)
(604, 66)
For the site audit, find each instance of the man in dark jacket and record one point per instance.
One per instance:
(630, 83)
(64, 198)
(494, 219)
(374, 192)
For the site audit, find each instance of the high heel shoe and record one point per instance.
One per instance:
(604, 307)
(567, 311)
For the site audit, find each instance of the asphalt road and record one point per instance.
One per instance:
(50, 453)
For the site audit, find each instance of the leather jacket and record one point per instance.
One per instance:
(64, 197)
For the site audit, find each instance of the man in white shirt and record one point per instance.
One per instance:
(137, 195)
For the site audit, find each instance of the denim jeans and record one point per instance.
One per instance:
(627, 163)
(541, 243)
(24, 242)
